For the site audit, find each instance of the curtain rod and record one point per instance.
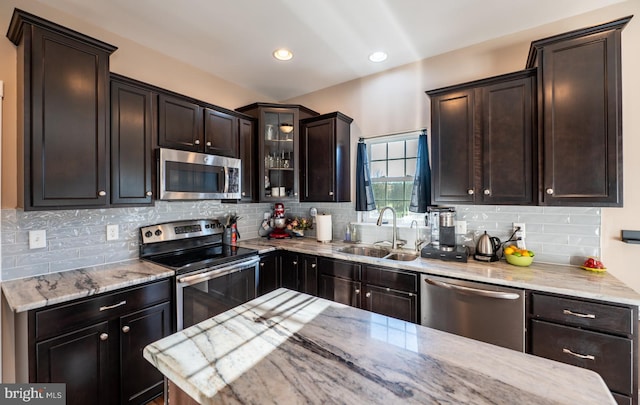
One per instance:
(421, 130)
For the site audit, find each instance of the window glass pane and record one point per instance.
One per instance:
(408, 188)
(411, 167)
(412, 148)
(378, 169)
(396, 168)
(395, 190)
(378, 151)
(396, 150)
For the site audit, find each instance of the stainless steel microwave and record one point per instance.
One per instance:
(186, 175)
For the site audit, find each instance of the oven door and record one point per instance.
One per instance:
(196, 176)
(208, 293)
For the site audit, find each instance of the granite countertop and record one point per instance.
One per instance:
(290, 347)
(553, 278)
(36, 292)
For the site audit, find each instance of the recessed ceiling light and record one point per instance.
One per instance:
(282, 54)
(378, 56)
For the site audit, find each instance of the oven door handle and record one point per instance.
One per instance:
(219, 272)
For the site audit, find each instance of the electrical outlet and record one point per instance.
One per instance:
(112, 232)
(521, 234)
(461, 227)
(37, 239)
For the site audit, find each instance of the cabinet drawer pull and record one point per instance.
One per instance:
(330, 192)
(126, 329)
(107, 307)
(357, 291)
(313, 265)
(208, 143)
(578, 355)
(579, 315)
(549, 191)
(104, 336)
(368, 295)
(197, 142)
(261, 264)
(102, 193)
(470, 191)
(486, 191)
(149, 193)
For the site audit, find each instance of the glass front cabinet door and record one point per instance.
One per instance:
(279, 151)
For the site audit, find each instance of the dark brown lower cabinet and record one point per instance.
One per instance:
(269, 274)
(94, 345)
(299, 272)
(595, 335)
(382, 290)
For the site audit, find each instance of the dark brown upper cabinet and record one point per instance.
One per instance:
(247, 154)
(63, 93)
(179, 124)
(325, 157)
(278, 158)
(220, 133)
(133, 129)
(188, 124)
(580, 116)
(482, 141)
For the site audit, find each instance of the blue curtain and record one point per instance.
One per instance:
(364, 190)
(421, 193)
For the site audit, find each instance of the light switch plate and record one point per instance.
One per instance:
(112, 232)
(38, 239)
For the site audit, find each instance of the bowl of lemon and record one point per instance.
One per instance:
(517, 256)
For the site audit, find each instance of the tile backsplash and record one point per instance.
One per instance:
(77, 238)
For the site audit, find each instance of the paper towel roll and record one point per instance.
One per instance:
(323, 224)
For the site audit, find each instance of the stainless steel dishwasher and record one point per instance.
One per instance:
(485, 312)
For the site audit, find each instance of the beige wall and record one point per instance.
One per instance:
(394, 101)
(130, 59)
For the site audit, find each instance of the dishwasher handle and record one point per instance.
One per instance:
(474, 291)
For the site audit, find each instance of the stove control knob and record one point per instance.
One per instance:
(207, 226)
(148, 234)
(158, 232)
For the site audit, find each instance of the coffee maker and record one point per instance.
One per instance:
(442, 221)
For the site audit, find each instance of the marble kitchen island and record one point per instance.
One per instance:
(288, 348)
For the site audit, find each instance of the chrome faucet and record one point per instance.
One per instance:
(417, 241)
(394, 238)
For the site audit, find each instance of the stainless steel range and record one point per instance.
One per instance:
(211, 277)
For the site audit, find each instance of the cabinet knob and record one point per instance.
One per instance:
(486, 191)
(549, 191)
(243, 193)
(261, 264)
(313, 265)
(102, 193)
(126, 328)
(330, 192)
(104, 336)
(197, 142)
(295, 194)
(368, 295)
(208, 143)
(357, 291)
(470, 191)
(149, 193)
(294, 263)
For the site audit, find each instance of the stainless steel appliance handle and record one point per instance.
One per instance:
(475, 291)
(226, 179)
(578, 355)
(217, 272)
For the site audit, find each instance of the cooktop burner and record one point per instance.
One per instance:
(196, 259)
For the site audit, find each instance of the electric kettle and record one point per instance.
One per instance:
(487, 248)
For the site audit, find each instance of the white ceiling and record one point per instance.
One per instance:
(331, 39)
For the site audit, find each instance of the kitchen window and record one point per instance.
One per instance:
(392, 164)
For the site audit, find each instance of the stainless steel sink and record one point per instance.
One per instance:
(402, 257)
(365, 251)
(379, 253)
